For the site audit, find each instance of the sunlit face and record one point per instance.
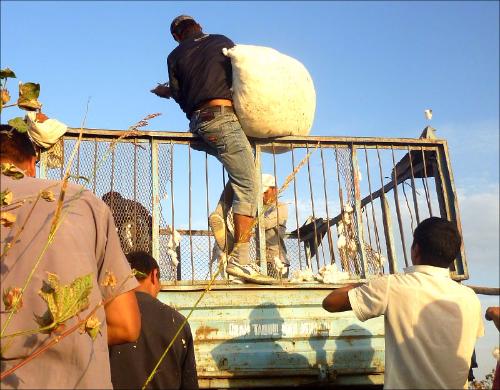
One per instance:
(269, 196)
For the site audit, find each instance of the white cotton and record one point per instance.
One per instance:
(44, 133)
(341, 242)
(331, 274)
(305, 275)
(340, 228)
(348, 208)
(273, 94)
(352, 247)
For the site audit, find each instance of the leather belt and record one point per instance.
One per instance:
(208, 113)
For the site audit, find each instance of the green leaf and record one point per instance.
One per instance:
(19, 124)
(7, 73)
(11, 170)
(64, 301)
(6, 197)
(28, 96)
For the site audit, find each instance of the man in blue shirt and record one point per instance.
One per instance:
(200, 80)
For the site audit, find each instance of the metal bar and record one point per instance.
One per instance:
(296, 208)
(188, 137)
(398, 211)
(313, 213)
(345, 264)
(94, 184)
(208, 214)
(277, 208)
(190, 216)
(172, 211)
(328, 232)
(461, 267)
(155, 199)
(413, 186)
(260, 213)
(135, 189)
(61, 172)
(77, 163)
(426, 184)
(386, 219)
(371, 203)
(357, 212)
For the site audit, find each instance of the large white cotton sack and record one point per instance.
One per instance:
(273, 94)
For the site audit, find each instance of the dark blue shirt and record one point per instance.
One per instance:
(198, 71)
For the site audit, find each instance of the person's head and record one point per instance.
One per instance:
(149, 278)
(436, 242)
(17, 148)
(269, 189)
(183, 27)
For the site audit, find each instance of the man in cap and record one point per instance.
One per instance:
(275, 217)
(200, 80)
(85, 245)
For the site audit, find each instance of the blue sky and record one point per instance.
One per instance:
(376, 66)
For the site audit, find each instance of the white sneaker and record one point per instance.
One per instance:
(248, 272)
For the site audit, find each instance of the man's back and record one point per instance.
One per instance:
(86, 243)
(131, 363)
(431, 326)
(199, 71)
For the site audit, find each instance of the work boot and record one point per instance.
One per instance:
(222, 235)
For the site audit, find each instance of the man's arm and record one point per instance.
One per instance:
(338, 300)
(123, 319)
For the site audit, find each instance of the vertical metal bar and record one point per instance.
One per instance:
(377, 238)
(413, 186)
(328, 232)
(261, 250)
(275, 205)
(43, 165)
(296, 208)
(386, 219)
(426, 184)
(208, 214)
(172, 210)
(461, 267)
(155, 199)
(398, 211)
(357, 212)
(61, 173)
(94, 183)
(190, 217)
(135, 189)
(316, 247)
(77, 163)
(343, 260)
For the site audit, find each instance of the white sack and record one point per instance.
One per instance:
(273, 94)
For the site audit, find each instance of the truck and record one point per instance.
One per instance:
(353, 203)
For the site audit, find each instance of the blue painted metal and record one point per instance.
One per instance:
(277, 335)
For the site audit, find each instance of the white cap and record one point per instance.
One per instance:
(267, 181)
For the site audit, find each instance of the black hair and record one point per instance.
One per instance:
(186, 28)
(15, 146)
(143, 262)
(438, 241)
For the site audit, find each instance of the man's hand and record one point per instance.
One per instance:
(162, 90)
(493, 314)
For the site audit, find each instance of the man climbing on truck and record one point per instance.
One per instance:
(200, 80)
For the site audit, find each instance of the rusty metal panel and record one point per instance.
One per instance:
(277, 335)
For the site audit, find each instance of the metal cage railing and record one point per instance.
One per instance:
(355, 202)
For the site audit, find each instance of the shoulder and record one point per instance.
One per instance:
(221, 38)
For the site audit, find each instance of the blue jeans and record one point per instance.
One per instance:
(226, 140)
